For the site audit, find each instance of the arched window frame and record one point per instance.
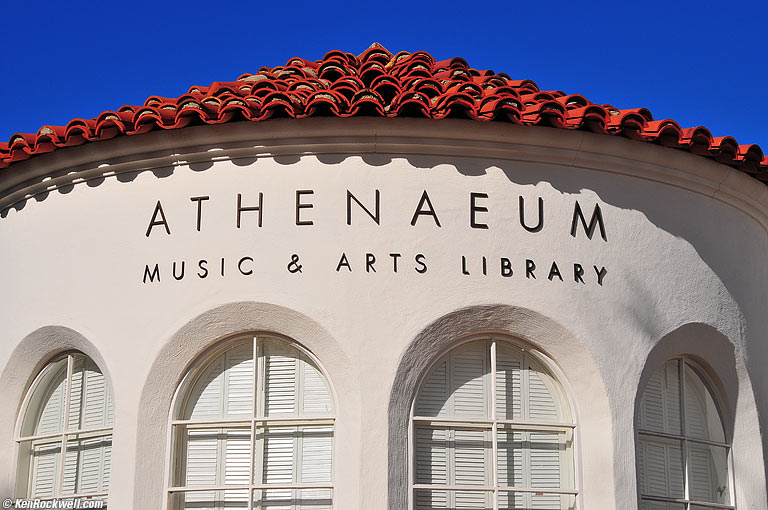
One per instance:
(258, 420)
(569, 427)
(717, 396)
(64, 436)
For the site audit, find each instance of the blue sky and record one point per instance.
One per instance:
(700, 63)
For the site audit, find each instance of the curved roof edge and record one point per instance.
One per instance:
(381, 84)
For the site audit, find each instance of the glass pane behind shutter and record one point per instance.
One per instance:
(702, 418)
(468, 380)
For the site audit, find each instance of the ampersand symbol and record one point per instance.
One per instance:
(293, 265)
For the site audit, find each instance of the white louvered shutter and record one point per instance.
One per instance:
(206, 399)
(541, 401)
(431, 458)
(279, 466)
(433, 396)
(51, 414)
(470, 467)
(239, 381)
(237, 467)
(45, 457)
(468, 380)
(201, 466)
(512, 471)
(545, 455)
(45, 467)
(315, 394)
(315, 461)
(280, 380)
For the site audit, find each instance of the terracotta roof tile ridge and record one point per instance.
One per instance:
(380, 83)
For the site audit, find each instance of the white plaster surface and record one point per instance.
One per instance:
(685, 260)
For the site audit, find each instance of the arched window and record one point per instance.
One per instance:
(491, 429)
(682, 451)
(253, 429)
(68, 409)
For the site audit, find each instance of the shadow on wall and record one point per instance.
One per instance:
(673, 211)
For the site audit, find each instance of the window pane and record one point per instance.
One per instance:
(215, 456)
(532, 459)
(468, 376)
(660, 467)
(702, 419)
(509, 376)
(45, 469)
(708, 474)
(512, 458)
(86, 466)
(90, 402)
(225, 388)
(431, 455)
(296, 455)
(660, 406)
(45, 414)
(453, 456)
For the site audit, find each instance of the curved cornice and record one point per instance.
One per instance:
(197, 145)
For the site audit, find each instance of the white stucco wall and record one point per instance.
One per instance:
(684, 252)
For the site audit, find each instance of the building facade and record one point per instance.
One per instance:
(331, 285)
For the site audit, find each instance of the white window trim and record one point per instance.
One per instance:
(491, 424)
(685, 440)
(257, 421)
(64, 436)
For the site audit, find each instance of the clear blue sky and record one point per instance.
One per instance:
(700, 63)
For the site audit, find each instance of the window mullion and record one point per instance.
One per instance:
(254, 404)
(65, 426)
(494, 429)
(683, 431)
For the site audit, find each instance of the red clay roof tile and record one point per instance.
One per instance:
(378, 83)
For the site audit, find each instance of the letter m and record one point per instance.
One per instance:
(152, 275)
(595, 221)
